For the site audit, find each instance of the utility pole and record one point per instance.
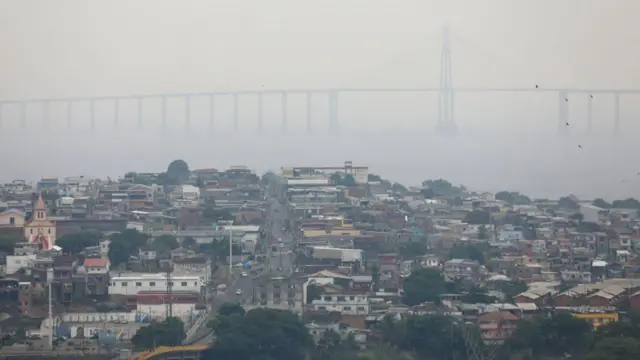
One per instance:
(169, 303)
(49, 281)
(230, 251)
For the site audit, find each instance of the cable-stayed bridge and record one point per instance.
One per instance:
(446, 93)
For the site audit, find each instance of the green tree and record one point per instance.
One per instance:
(178, 171)
(483, 234)
(125, 244)
(601, 203)
(615, 349)
(374, 178)
(429, 337)
(228, 309)
(75, 243)
(165, 243)
(399, 188)
(510, 288)
(336, 178)
(568, 203)
(557, 335)
(348, 180)
(212, 213)
(629, 203)
(478, 217)
(313, 292)
(170, 332)
(468, 251)
(8, 241)
(375, 276)
(189, 243)
(513, 198)
(262, 334)
(423, 285)
(442, 187)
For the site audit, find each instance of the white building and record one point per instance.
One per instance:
(188, 193)
(360, 173)
(83, 325)
(134, 283)
(16, 262)
(590, 213)
(345, 303)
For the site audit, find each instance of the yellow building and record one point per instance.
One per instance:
(40, 230)
(598, 319)
(12, 218)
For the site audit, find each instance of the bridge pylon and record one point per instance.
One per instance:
(446, 119)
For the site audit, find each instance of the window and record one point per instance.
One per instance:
(341, 298)
(352, 298)
(184, 283)
(12, 221)
(138, 284)
(152, 283)
(291, 294)
(49, 230)
(360, 308)
(328, 298)
(346, 308)
(123, 284)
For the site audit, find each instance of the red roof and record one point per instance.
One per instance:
(95, 262)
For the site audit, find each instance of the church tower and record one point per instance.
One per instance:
(40, 230)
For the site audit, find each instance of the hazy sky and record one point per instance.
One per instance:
(53, 49)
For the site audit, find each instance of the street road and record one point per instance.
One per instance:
(281, 260)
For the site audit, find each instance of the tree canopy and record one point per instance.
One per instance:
(178, 170)
(75, 243)
(568, 203)
(261, 334)
(513, 198)
(8, 241)
(478, 217)
(601, 203)
(629, 203)
(399, 188)
(468, 251)
(124, 244)
(443, 187)
(170, 332)
(423, 285)
(165, 243)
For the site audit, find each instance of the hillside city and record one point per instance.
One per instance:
(327, 262)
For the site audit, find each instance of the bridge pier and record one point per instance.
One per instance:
(616, 114)
(334, 105)
(23, 115)
(563, 113)
(45, 115)
(235, 112)
(212, 112)
(308, 113)
(260, 113)
(140, 113)
(69, 114)
(92, 114)
(116, 113)
(283, 109)
(187, 112)
(163, 113)
(589, 113)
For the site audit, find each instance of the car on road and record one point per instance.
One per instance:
(243, 274)
(238, 291)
